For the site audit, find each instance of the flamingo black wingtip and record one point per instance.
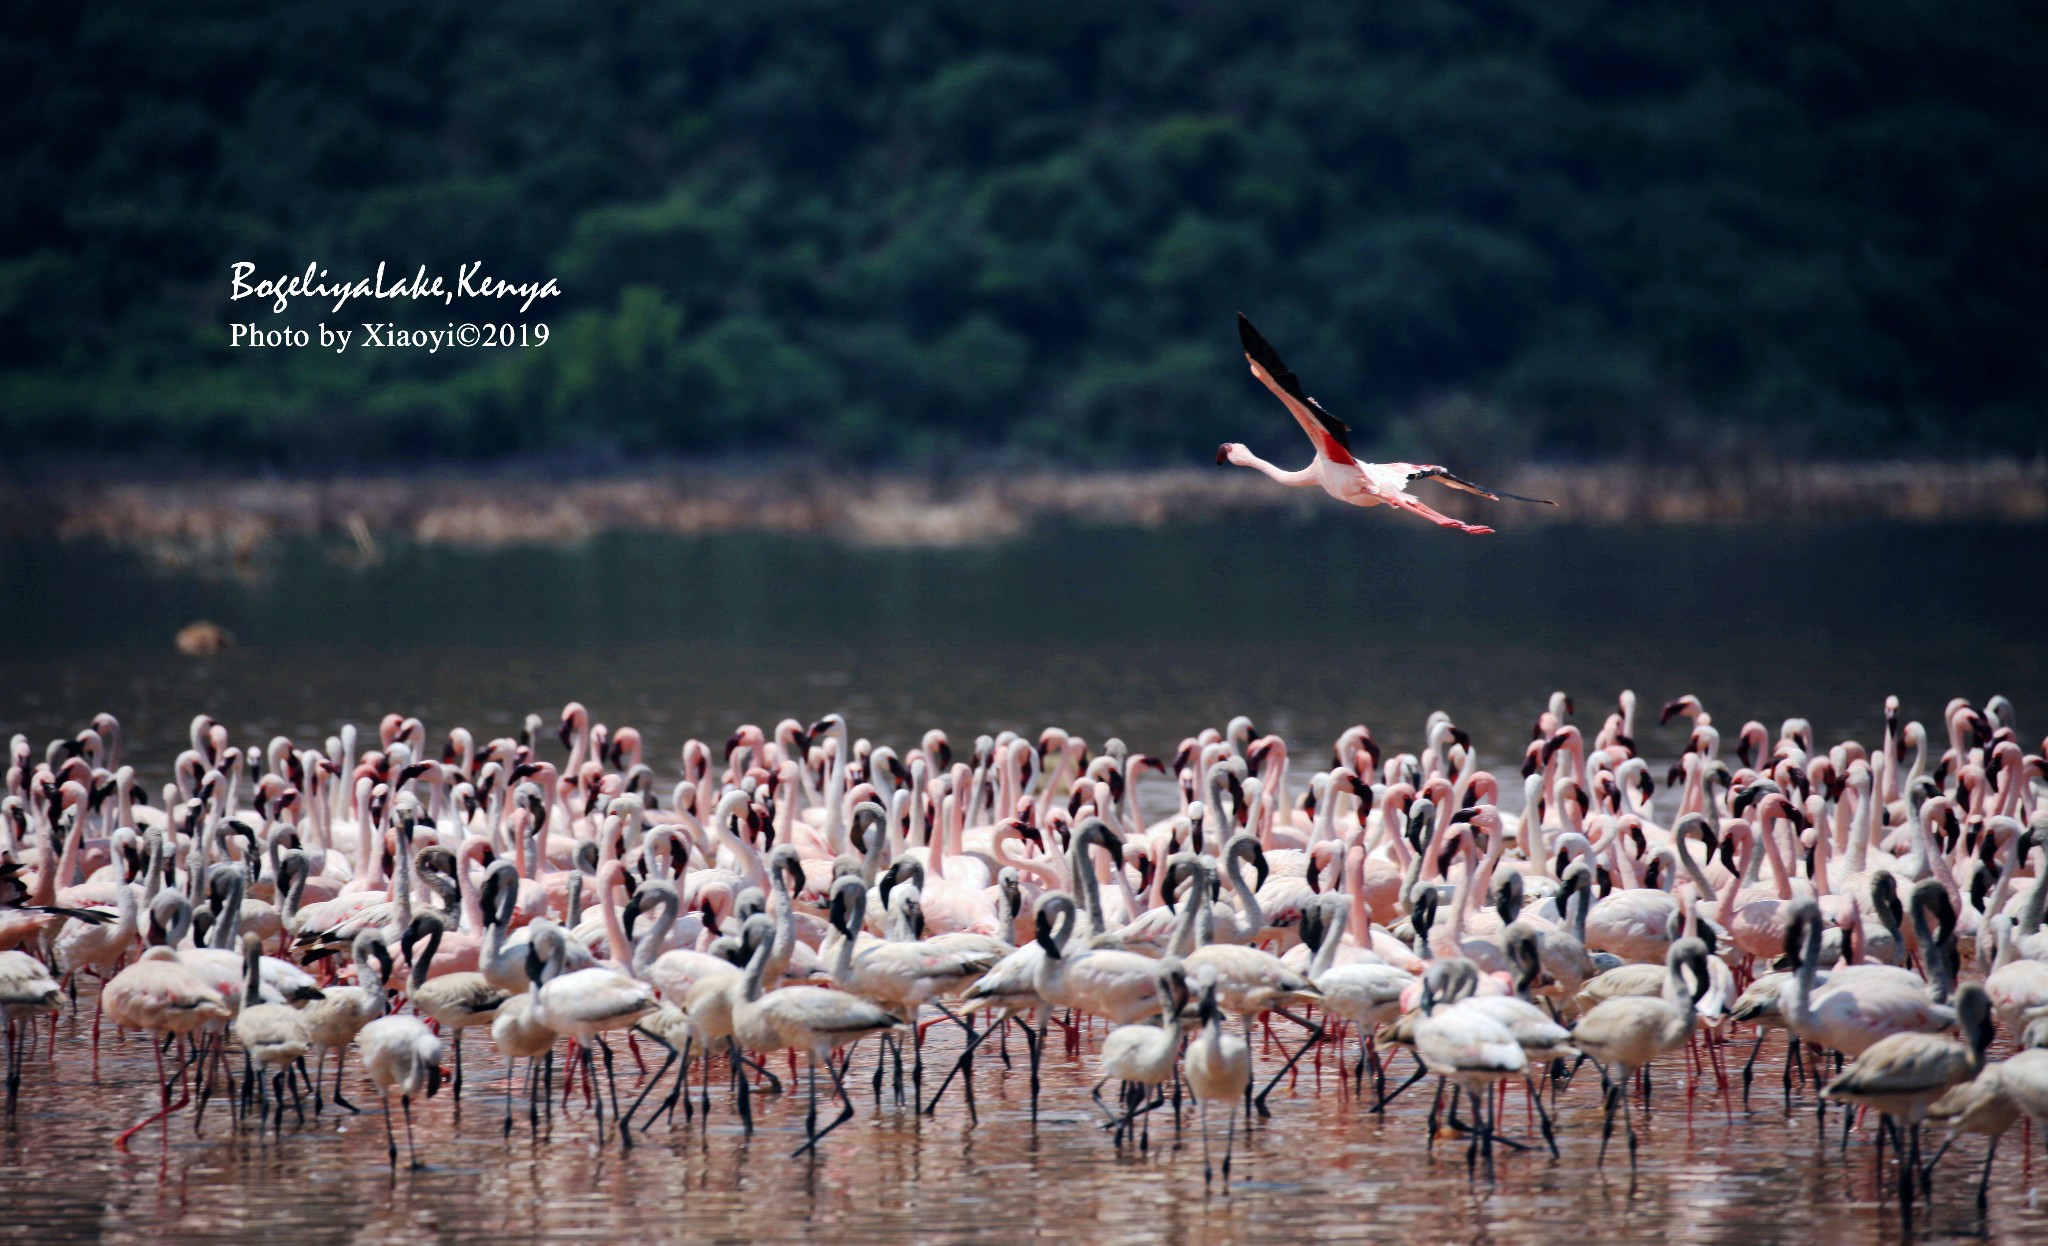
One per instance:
(1250, 338)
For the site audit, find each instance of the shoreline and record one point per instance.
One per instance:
(236, 515)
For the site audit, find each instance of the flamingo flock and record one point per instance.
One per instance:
(801, 892)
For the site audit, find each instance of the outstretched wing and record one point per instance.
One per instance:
(1331, 435)
(1444, 477)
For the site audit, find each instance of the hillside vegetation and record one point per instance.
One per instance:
(899, 231)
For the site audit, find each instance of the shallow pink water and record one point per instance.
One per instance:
(1322, 1168)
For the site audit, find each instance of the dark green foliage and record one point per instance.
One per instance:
(909, 229)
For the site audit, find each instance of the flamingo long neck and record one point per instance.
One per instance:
(1333, 935)
(1927, 860)
(295, 895)
(1679, 993)
(1249, 911)
(1533, 842)
(1885, 770)
(856, 917)
(653, 939)
(1700, 881)
(1570, 817)
(1122, 881)
(1843, 825)
(472, 900)
(1393, 812)
(1938, 865)
(126, 905)
(1129, 814)
(1218, 789)
(1008, 786)
(1767, 831)
(1449, 935)
(1852, 933)
(343, 792)
(744, 853)
(227, 932)
(2001, 891)
(499, 922)
(558, 954)
(1624, 863)
(1822, 858)
(45, 890)
(1326, 816)
(371, 863)
(1694, 798)
(1726, 909)
(835, 793)
(1354, 867)
(918, 792)
(1795, 998)
(67, 861)
(692, 829)
(1274, 777)
(425, 964)
(952, 824)
(2010, 782)
(783, 945)
(153, 880)
(1036, 868)
(608, 880)
(1575, 745)
(1957, 742)
(1187, 926)
(787, 789)
(1085, 882)
(579, 744)
(252, 978)
(401, 891)
(1857, 859)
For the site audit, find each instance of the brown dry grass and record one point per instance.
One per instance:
(234, 519)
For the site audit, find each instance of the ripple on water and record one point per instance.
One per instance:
(1324, 1168)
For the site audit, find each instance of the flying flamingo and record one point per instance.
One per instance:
(1340, 475)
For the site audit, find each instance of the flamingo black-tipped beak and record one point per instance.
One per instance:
(1223, 454)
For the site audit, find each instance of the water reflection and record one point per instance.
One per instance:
(1324, 1168)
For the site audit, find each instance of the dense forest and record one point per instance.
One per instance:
(905, 230)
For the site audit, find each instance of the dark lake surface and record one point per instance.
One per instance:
(1307, 626)
(1150, 635)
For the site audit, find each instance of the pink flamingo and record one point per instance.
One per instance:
(1334, 469)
